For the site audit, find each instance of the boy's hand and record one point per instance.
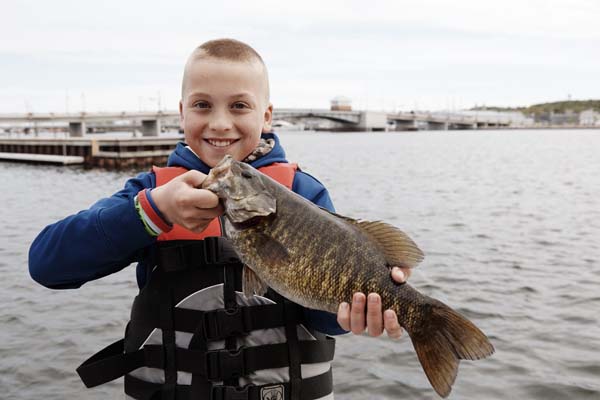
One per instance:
(182, 203)
(352, 318)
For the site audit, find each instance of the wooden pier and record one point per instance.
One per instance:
(110, 153)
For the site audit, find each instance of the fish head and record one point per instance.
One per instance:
(242, 189)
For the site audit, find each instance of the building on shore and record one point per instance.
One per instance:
(341, 103)
(589, 117)
(513, 118)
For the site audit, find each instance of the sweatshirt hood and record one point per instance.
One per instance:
(184, 157)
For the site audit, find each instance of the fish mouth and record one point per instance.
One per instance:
(218, 173)
(221, 143)
(243, 196)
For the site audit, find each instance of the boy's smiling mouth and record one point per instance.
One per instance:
(221, 143)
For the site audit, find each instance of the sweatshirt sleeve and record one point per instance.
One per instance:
(311, 189)
(93, 243)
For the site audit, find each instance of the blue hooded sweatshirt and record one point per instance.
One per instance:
(109, 235)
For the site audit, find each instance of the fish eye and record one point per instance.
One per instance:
(246, 174)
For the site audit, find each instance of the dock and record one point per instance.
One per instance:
(42, 158)
(109, 153)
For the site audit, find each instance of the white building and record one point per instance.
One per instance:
(589, 118)
(341, 103)
(514, 118)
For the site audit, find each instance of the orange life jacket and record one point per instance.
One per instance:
(281, 172)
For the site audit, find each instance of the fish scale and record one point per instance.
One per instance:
(319, 259)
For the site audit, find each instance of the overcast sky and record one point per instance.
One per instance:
(428, 54)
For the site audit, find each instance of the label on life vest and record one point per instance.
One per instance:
(272, 393)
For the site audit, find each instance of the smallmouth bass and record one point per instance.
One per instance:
(319, 259)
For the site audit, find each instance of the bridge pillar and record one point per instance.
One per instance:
(77, 129)
(150, 127)
(406, 125)
(372, 121)
(437, 126)
(465, 126)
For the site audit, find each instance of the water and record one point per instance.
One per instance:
(509, 222)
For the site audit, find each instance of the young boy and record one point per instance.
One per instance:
(188, 305)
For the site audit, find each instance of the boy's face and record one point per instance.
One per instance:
(224, 108)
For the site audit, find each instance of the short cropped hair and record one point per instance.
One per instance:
(224, 49)
(228, 49)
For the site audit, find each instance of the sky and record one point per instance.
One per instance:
(128, 55)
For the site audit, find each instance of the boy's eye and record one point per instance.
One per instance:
(201, 104)
(239, 105)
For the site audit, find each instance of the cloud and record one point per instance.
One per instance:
(428, 52)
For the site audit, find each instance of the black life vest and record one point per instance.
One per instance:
(193, 335)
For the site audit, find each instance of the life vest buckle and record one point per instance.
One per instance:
(225, 364)
(223, 323)
(231, 392)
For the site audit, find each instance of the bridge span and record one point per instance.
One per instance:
(152, 123)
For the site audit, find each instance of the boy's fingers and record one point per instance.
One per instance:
(357, 314)
(343, 316)
(202, 198)
(374, 317)
(400, 275)
(392, 327)
(198, 227)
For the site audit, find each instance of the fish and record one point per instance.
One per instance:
(319, 259)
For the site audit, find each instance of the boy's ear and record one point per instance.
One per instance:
(268, 124)
(181, 115)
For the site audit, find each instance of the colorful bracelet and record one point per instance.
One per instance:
(142, 215)
(153, 219)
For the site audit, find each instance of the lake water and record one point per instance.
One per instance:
(509, 222)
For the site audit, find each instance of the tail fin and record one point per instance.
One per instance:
(447, 338)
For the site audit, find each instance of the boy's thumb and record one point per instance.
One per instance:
(194, 178)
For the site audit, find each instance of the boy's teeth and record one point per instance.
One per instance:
(220, 143)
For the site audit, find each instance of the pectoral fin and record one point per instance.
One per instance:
(271, 250)
(252, 284)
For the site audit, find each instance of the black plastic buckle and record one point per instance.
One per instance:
(220, 324)
(231, 393)
(225, 364)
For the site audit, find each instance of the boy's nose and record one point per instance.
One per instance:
(220, 122)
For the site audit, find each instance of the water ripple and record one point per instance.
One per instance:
(508, 221)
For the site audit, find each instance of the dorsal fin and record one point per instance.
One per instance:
(399, 249)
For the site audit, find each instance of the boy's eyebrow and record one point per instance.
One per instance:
(243, 94)
(201, 94)
(236, 95)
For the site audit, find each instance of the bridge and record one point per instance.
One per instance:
(444, 121)
(152, 123)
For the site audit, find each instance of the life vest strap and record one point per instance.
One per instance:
(231, 341)
(108, 364)
(178, 255)
(224, 364)
(222, 323)
(216, 365)
(310, 389)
